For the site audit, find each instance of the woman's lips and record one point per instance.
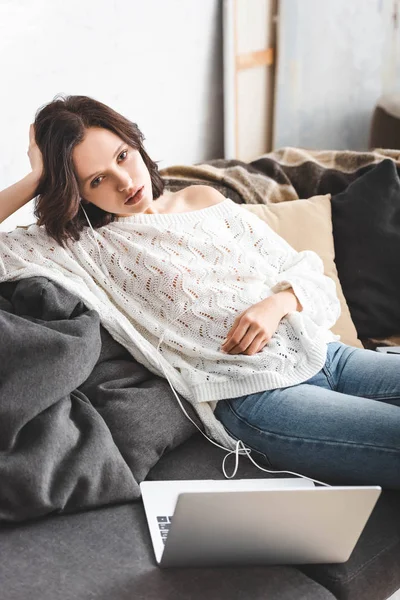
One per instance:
(137, 197)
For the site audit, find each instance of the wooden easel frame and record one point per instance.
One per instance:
(236, 63)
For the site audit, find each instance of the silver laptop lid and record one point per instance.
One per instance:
(303, 526)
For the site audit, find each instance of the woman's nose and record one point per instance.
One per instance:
(124, 182)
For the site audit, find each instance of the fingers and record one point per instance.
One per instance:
(241, 326)
(257, 343)
(251, 343)
(235, 336)
(34, 153)
(264, 342)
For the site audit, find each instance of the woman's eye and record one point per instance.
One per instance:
(96, 182)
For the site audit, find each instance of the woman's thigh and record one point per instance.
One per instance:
(316, 431)
(363, 373)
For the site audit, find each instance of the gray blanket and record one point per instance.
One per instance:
(81, 422)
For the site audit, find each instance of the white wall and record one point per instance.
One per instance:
(335, 59)
(158, 62)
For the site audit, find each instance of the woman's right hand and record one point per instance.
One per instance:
(35, 156)
(18, 194)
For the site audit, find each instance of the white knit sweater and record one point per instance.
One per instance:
(183, 278)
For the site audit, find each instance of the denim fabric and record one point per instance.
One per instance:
(341, 426)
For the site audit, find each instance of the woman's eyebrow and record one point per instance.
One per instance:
(95, 174)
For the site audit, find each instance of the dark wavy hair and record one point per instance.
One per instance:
(59, 127)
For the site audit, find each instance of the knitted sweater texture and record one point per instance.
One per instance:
(178, 281)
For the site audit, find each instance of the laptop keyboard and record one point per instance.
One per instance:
(164, 524)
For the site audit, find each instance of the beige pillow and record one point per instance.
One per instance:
(307, 225)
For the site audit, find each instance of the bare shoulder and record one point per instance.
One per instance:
(201, 196)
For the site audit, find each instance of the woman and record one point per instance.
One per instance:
(246, 319)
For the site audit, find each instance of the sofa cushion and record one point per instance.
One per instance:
(107, 554)
(366, 231)
(307, 225)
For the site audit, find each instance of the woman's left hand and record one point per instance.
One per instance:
(253, 328)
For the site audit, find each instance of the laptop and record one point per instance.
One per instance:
(254, 521)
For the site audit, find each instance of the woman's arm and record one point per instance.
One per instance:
(17, 195)
(301, 272)
(288, 301)
(20, 193)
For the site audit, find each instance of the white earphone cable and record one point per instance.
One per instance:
(102, 265)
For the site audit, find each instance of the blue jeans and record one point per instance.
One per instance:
(342, 426)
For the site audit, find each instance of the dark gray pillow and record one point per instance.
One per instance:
(366, 231)
(56, 452)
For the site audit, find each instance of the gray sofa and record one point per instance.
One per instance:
(72, 523)
(107, 554)
(75, 444)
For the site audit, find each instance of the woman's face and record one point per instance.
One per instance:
(110, 171)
